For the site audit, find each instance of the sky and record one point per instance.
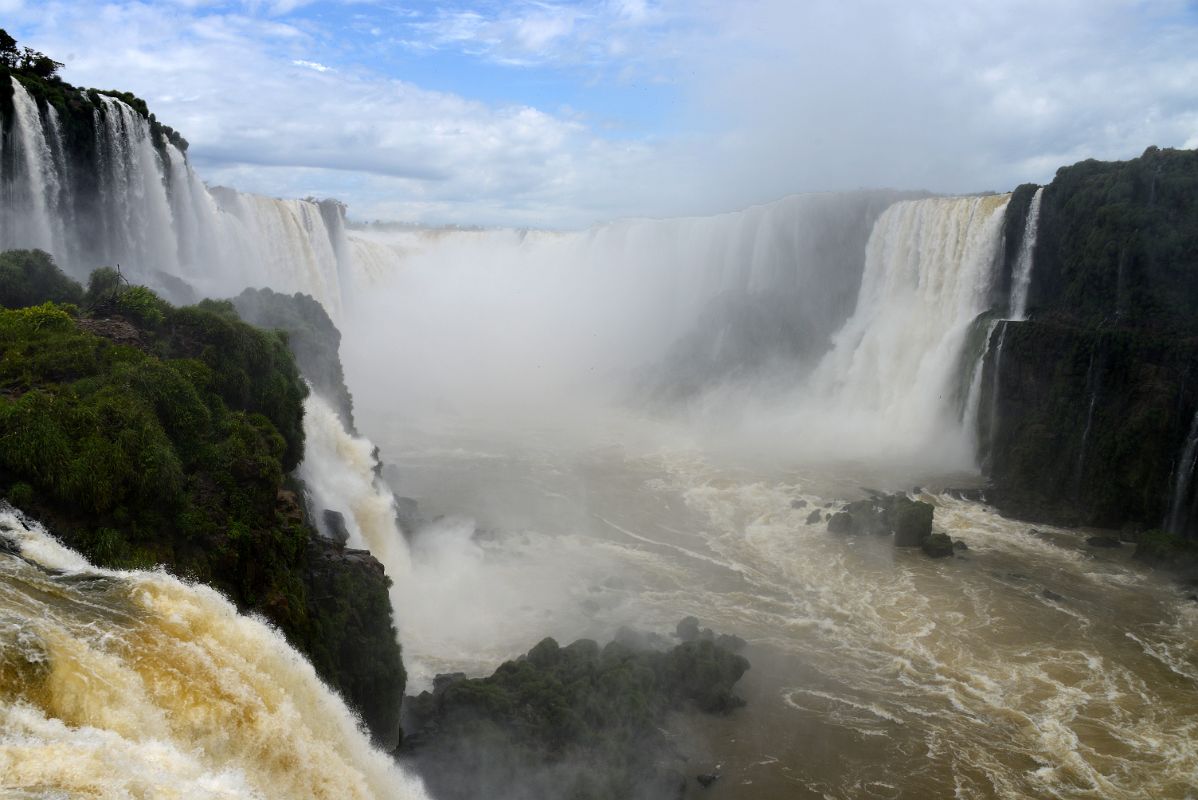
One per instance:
(553, 114)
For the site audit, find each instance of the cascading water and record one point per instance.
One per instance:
(339, 471)
(139, 204)
(1179, 517)
(34, 195)
(886, 388)
(1021, 279)
(136, 684)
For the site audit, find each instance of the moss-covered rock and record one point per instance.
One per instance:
(581, 721)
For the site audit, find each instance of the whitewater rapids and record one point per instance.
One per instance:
(1028, 666)
(136, 684)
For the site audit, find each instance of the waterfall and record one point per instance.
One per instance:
(971, 410)
(1178, 516)
(339, 472)
(887, 386)
(1021, 280)
(35, 193)
(137, 684)
(138, 203)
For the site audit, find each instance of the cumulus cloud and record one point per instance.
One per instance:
(761, 98)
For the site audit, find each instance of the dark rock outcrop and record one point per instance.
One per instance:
(351, 639)
(937, 545)
(312, 337)
(1096, 391)
(334, 526)
(581, 721)
(881, 515)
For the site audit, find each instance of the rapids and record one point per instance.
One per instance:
(136, 684)
(1027, 666)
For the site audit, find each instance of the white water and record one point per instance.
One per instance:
(1021, 279)
(872, 667)
(135, 684)
(887, 390)
(338, 471)
(151, 213)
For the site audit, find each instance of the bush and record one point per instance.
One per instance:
(29, 277)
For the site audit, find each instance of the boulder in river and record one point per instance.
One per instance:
(938, 545)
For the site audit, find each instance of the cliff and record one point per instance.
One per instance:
(143, 434)
(1087, 405)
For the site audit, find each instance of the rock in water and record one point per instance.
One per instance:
(1104, 541)
(798, 503)
(840, 522)
(707, 779)
(814, 517)
(335, 527)
(912, 522)
(938, 545)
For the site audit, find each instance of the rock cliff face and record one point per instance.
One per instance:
(1087, 405)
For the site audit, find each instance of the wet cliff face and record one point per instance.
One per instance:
(1087, 405)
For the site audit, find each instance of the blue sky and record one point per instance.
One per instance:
(563, 114)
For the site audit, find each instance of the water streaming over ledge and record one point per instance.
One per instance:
(136, 684)
(1021, 280)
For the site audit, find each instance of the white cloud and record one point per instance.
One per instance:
(312, 65)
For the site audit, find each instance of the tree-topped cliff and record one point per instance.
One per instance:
(145, 434)
(1088, 404)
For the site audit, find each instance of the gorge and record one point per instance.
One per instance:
(603, 429)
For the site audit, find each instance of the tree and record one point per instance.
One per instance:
(9, 55)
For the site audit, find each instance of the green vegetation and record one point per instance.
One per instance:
(145, 434)
(578, 721)
(30, 277)
(1118, 243)
(38, 73)
(314, 340)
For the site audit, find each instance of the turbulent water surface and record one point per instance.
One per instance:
(1027, 666)
(135, 684)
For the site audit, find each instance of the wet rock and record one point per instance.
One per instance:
(959, 545)
(731, 642)
(911, 520)
(288, 505)
(798, 503)
(1049, 594)
(1104, 541)
(707, 779)
(881, 515)
(840, 522)
(937, 545)
(814, 517)
(334, 526)
(407, 514)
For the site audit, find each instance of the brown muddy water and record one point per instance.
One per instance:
(1029, 665)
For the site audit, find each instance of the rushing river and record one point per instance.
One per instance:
(1029, 665)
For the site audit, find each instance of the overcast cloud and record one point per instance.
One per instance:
(564, 114)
